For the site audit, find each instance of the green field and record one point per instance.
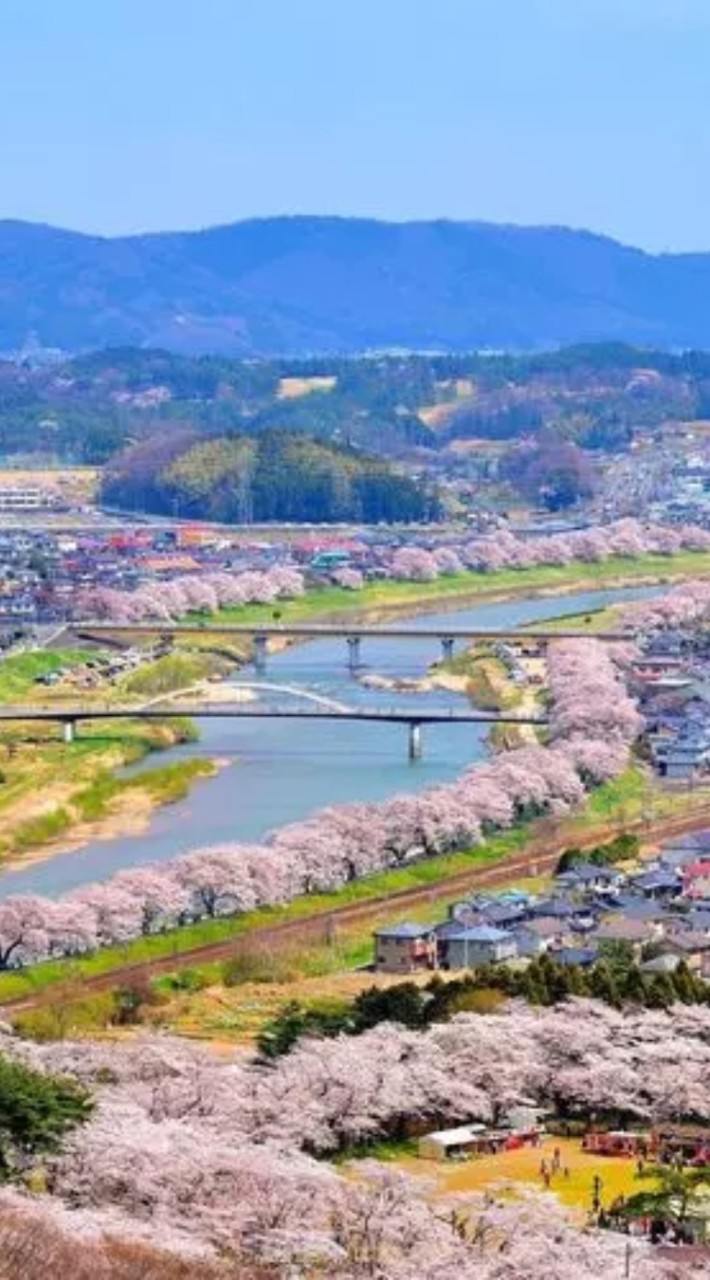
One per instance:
(20, 671)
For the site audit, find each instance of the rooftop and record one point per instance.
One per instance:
(404, 931)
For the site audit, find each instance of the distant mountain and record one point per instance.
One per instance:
(299, 285)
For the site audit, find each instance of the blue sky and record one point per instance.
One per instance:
(127, 115)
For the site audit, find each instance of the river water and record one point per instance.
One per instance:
(281, 770)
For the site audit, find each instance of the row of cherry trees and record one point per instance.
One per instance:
(593, 722)
(502, 550)
(208, 592)
(190, 593)
(214, 1153)
(685, 606)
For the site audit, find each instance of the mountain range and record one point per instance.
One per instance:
(301, 285)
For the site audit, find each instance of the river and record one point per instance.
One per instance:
(281, 770)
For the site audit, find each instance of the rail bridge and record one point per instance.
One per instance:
(353, 635)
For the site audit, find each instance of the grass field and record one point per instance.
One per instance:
(508, 1170)
(19, 672)
(597, 620)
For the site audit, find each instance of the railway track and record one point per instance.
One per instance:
(538, 859)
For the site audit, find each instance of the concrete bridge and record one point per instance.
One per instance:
(353, 635)
(70, 716)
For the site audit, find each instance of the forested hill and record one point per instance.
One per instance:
(87, 409)
(275, 476)
(310, 284)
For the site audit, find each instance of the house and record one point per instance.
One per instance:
(616, 1142)
(503, 915)
(645, 909)
(555, 930)
(553, 908)
(481, 945)
(588, 876)
(529, 943)
(696, 879)
(694, 948)
(658, 884)
(678, 853)
(405, 948)
(581, 957)
(687, 755)
(620, 929)
(452, 1144)
(478, 1139)
(666, 963)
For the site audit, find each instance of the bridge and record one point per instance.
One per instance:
(70, 716)
(353, 635)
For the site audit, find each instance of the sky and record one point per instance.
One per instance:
(118, 116)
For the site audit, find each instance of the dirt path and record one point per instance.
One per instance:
(538, 859)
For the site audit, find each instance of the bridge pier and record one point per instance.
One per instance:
(353, 653)
(68, 731)
(260, 651)
(415, 740)
(447, 648)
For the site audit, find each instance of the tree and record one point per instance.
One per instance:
(672, 1196)
(661, 993)
(36, 1111)
(552, 471)
(603, 985)
(404, 1003)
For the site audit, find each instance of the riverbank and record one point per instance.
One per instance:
(331, 932)
(55, 797)
(384, 601)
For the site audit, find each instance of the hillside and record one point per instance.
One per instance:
(273, 477)
(88, 409)
(314, 284)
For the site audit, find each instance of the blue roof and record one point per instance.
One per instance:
(574, 955)
(553, 907)
(657, 880)
(483, 933)
(404, 931)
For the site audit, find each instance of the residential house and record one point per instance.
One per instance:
(405, 948)
(684, 757)
(580, 957)
(478, 946)
(619, 929)
(588, 877)
(694, 948)
(540, 934)
(662, 883)
(696, 879)
(666, 963)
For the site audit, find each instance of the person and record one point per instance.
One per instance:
(566, 1171)
(547, 1177)
(543, 1168)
